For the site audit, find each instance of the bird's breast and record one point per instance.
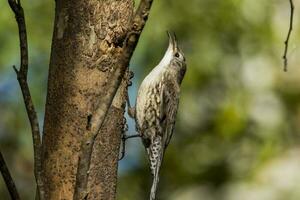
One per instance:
(148, 106)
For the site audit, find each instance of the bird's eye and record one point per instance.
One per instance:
(177, 55)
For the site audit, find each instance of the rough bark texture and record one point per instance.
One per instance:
(87, 35)
(102, 181)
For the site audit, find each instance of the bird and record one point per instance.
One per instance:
(156, 106)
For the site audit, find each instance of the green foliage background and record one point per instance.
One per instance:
(237, 131)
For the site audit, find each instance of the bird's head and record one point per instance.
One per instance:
(174, 58)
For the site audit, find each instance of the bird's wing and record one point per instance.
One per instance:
(170, 99)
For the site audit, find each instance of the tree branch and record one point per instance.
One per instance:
(22, 79)
(97, 119)
(286, 42)
(12, 189)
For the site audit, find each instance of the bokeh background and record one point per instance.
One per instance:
(237, 135)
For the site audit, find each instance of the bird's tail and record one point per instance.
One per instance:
(154, 186)
(156, 152)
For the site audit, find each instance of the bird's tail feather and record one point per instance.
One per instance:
(154, 186)
(156, 152)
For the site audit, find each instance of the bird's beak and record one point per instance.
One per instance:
(172, 40)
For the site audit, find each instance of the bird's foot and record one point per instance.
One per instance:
(124, 138)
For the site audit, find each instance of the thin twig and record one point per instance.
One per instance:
(286, 42)
(99, 115)
(22, 79)
(10, 184)
(130, 110)
(131, 113)
(132, 136)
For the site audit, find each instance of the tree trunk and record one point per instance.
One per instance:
(86, 36)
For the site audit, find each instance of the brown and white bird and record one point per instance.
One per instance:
(156, 106)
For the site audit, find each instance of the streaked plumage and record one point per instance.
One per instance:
(156, 106)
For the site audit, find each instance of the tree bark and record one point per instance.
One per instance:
(87, 36)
